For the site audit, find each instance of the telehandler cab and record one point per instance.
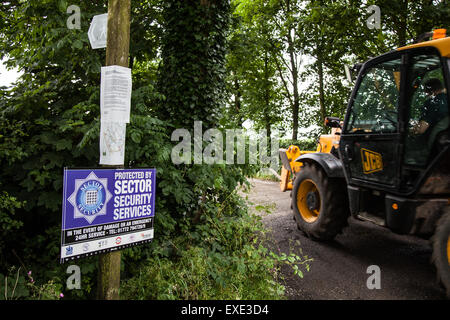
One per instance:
(388, 162)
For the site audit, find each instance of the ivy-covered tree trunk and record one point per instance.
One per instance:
(192, 79)
(192, 72)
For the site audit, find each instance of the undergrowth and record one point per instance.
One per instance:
(233, 262)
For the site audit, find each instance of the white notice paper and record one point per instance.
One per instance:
(112, 143)
(115, 94)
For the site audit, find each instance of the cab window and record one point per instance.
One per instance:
(428, 115)
(376, 102)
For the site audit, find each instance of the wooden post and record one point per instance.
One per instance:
(118, 40)
(117, 52)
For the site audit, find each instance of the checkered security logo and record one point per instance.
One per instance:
(90, 197)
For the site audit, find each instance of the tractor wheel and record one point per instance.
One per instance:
(320, 203)
(290, 195)
(292, 209)
(441, 251)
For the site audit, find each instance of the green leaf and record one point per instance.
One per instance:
(63, 144)
(77, 44)
(62, 5)
(136, 137)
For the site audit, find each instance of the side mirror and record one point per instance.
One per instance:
(356, 67)
(348, 73)
(333, 122)
(352, 72)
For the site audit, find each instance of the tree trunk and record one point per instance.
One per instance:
(237, 102)
(294, 74)
(402, 23)
(266, 108)
(323, 111)
(290, 38)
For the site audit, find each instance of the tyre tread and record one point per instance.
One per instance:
(333, 216)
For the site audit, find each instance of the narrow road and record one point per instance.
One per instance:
(339, 267)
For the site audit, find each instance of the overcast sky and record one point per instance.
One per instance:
(7, 76)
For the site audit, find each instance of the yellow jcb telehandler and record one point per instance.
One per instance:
(388, 162)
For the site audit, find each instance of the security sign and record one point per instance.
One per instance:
(106, 210)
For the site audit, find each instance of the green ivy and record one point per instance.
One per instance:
(192, 70)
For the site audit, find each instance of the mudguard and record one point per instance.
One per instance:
(329, 163)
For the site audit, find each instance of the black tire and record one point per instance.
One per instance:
(290, 195)
(441, 251)
(320, 203)
(292, 209)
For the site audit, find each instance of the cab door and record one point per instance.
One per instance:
(369, 145)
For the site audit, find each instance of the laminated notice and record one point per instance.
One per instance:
(112, 143)
(115, 94)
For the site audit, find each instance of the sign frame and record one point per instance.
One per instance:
(105, 210)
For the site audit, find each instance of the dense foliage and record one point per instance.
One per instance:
(308, 42)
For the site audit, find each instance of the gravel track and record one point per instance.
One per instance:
(339, 268)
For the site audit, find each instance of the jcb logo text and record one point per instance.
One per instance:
(371, 161)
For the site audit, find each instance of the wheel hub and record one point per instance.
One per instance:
(312, 201)
(308, 201)
(448, 250)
